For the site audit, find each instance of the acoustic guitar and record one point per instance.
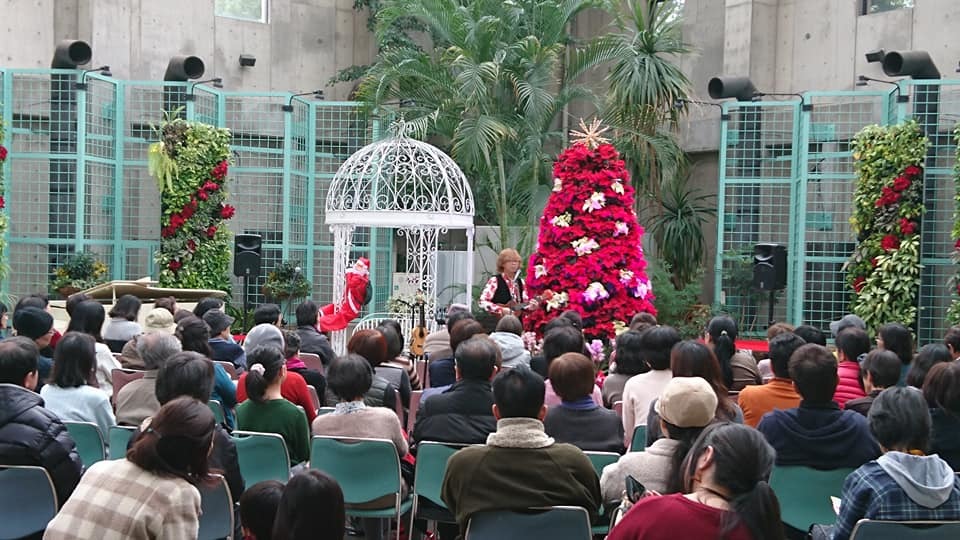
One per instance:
(419, 335)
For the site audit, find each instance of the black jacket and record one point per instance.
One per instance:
(312, 341)
(594, 430)
(462, 414)
(32, 435)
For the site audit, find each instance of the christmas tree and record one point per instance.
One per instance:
(589, 255)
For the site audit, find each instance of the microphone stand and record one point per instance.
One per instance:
(293, 285)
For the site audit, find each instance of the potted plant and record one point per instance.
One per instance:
(81, 271)
(286, 280)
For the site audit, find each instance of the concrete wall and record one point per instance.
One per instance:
(305, 43)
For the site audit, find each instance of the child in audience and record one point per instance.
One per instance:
(67, 394)
(853, 344)
(291, 353)
(258, 509)
(311, 509)
(293, 388)
(881, 370)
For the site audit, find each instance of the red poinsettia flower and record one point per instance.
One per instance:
(176, 221)
(901, 183)
(202, 195)
(890, 242)
(858, 283)
(912, 170)
(187, 212)
(887, 197)
(227, 211)
(175, 265)
(211, 231)
(907, 227)
(3, 152)
(606, 151)
(167, 232)
(191, 245)
(210, 186)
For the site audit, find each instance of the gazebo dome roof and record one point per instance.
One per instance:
(400, 182)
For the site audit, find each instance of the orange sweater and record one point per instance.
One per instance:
(758, 400)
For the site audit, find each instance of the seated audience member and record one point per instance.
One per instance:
(508, 337)
(464, 413)
(775, 329)
(903, 483)
(122, 325)
(881, 370)
(88, 317)
(205, 305)
(157, 320)
(642, 318)
(291, 352)
(267, 314)
(952, 341)
(311, 339)
(739, 368)
(152, 493)
(848, 321)
(555, 343)
(67, 394)
(168, 303)
(626, 362)
(36, 325)
(578, 419)
(437, 345)
(137, 399)
(311, 508)
(293, 388)
(811, 334)
(267, 411)
(779, 393)
(641, 390)
(853, 344)
(395, 356)
(221, 342)
(694, 359)
(30, 434)
(726, 493)
(538, 363)
(685, 406)
(576, 320)
(372, 347)
(395, 375)
(41, 302)
(818, 433)
(4, 321)
(942, 392)
(520, 466)
(191, 374)
(194, 335)
(929, 356)
(258, 508)
(462, 327)
(899, 339)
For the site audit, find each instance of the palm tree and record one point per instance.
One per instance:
(489, 89)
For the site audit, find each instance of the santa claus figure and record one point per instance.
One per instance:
(335, 317)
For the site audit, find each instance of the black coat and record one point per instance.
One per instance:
(594, 430)
(463, 414)
(312, 341)
(32, 435)
(945, 437)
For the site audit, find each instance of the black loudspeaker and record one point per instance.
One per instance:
(769, 267)
(246, 255)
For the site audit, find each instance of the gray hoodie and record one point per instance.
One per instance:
(512, 349)
(927, 480)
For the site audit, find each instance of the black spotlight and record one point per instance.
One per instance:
(875, 56)
(71, 53)
(915, 64)
(741, 88)
(180, 69)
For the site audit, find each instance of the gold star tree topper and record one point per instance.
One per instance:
(590, 136)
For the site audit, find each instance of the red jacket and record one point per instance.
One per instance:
(293, 389)
(849, 387)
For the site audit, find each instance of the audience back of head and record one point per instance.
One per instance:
(258, 509)
(476, 358)
(853, 343)
(453, 317)
(266, 314)
(942, 387)
(369, 344)
(571, 375)
(74, 360)
(781, 348)
(510, 324)
(518, 393)
(393, 339)
(350, 377)
(642, 318)
(929, 356)
(574, 317)
(883, 368)
(272, 364)
(127, 307)
(186, 373)
(656, 344)
(722, 331)
(205, 305)
(177, 441)
(311, 508)
(156, 348)
(88, 317)
(18, 359)
(813, 369)
(307, 313)
(811, 334)
(630, 354)
(900, 420)
(194, 335)
(561, 340)
(692, 358)
(897, 338)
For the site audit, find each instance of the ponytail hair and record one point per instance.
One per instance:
(265, 365)
(742, 460)
(723, 334)
(177, 441)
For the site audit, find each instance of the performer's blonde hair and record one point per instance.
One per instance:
(506, 256)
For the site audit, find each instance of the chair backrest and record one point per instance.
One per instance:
(325, 410)
(262, 456)
(216, 521)
(414, 407)
(420, 365)
(28, 500)
(90, 445)
(602, 459)
(398, 407)
(119, 437)
(314, 397)
(556, 523)
(229, 368)
(618, 408)
(343, 458)
(804, 494)
(868, 529)
(639, 441)
(217, 409)
(431, 467)
(312, 361)
(121, 377)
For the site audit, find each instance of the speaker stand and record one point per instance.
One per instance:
(770, 308)
(246, 298)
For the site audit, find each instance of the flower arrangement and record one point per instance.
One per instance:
(4, 223)
(884, 269)
(81, 270)
(589, 256)
(190, 163)
(953, 312)
(286, 281)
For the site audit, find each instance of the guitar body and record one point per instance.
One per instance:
(419, 335)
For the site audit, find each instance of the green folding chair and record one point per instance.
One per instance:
(804, 494)
(28, 500)
(119, 437)
(262, 456)
(599, 461)
(216, 521)
(639, 441)
(218, 413)
(868, 529)
(89, 441)
(428, 480)
(377, 458)
(555, 523)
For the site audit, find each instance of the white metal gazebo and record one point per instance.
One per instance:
(407, 185)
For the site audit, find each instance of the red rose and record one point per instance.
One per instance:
(191, 245)
(187, 212)
(3, 152)
(227, 211)
(858, 283)
(211, 231)
(202, 195)
(210, 186)
(175, 265)
(912, 170)
(176, 221)
(3, 203)
(957, 244)
(220, 171)
(890, 242)
(901, 183)
(167, 232)
(907, 227)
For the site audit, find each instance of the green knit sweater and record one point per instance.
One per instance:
(281, 417)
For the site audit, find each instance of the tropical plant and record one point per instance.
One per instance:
(678, 307)
(80, 271)
(678, 230)
(489, 89)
